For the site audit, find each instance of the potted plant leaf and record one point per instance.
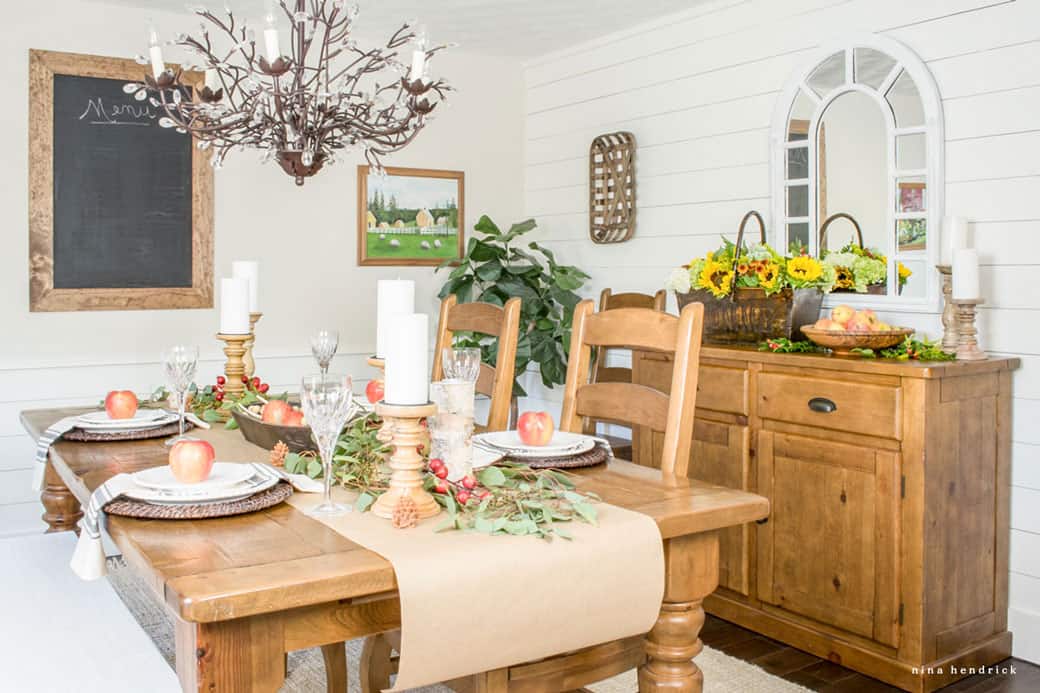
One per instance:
(497, 266)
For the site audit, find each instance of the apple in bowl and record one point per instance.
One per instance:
(535, 428)
(191, 461)
(121, 404)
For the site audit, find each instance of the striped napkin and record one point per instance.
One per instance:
(88, 561)
(62, 426)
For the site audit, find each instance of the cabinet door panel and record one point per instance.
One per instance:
(720, 455)
(829, 549)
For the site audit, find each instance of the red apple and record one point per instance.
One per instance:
(535, 428)
(276, 411)
(374, 391)
(293, 418)
(843, 314)
(191, 461)
(121, 404)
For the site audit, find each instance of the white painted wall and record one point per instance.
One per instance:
(304, 239)
(698, 90)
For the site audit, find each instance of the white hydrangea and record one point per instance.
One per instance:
(760, 251)
(840, 259)
(678, 280)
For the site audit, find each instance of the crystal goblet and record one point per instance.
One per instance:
(461, 364)
(323, 346)
(328, 403)
(180, 363)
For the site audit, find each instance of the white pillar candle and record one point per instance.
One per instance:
(954, 237)
(250, 271)
(407, 360)
(966, 274)
(393, 297)
(234, 306)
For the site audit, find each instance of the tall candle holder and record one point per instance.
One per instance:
(967, 343)
(949, 314)
(250, 364)
(234, 368)
(386, 432)
(406, 464)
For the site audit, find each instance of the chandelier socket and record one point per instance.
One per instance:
(292, 163)
(276, 69)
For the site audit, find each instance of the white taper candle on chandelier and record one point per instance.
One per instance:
(271, 39)
(418, 65)
(407, 360)
(212, 79)
(954, 237)
(966, 275)
(250, 271)
(393, 297)
(234, 306)
(155, 53)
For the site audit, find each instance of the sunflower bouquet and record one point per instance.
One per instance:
(859, 270)
(758, 266)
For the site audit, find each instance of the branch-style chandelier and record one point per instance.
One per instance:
(325, 96)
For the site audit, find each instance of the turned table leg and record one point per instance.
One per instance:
(244, 655)
(691, 574)
(61, 509)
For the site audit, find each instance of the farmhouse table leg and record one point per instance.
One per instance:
(61, 509)
(691, 574)
(335, 656)
(244, 655)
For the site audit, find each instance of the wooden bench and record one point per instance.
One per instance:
(62, 634)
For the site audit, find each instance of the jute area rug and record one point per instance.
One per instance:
(722, 673)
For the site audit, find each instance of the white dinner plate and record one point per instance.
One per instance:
(227, 494)
(101, 419)
(158, 423)
(224, 475)
(563, 444)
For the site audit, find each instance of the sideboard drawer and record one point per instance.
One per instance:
(855, 407)
(720, 388)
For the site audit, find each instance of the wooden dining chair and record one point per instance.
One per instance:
(620, 402)
(486, 319)
(602, 373)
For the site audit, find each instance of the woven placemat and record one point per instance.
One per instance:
(170, 429)
(597, 455)
(126, 507)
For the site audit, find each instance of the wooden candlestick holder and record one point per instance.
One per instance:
(967, 343)
(234, 368)
(949, 314)
(406, 464)
(386, 432)
(250, 364)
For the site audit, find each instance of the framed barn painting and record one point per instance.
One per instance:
(410, 216)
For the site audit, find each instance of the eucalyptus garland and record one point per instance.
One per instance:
(506, 498)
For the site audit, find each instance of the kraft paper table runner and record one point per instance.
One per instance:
(472, 602)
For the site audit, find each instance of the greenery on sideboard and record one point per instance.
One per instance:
(497, 266)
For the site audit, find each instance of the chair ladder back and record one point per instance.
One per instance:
(633, 404)
(486, 319)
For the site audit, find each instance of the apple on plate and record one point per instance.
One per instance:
(535, 428)
(374, 391)
(191, 461)
(121, 404)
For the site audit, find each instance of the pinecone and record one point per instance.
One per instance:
(278, 453)
(406, 513)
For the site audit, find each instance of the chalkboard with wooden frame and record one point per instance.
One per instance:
(120, 209)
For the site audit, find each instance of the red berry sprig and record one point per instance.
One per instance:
(465, 489)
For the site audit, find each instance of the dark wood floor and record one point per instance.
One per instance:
(820, 675)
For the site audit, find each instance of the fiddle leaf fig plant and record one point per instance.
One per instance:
(498, 266)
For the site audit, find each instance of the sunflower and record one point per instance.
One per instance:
(716, 277)
(904, 273)
(804, 269)
(845, 278)
(769, 277)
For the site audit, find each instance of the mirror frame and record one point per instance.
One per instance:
(934, 171)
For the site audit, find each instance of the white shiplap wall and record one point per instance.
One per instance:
(698, 90)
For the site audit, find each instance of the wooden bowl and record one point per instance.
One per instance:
(842, 343)
(266, 435)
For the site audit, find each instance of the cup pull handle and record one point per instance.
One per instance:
(822, 405)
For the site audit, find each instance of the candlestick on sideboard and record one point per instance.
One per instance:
(967, 343)
(250, 363)
(949, 314)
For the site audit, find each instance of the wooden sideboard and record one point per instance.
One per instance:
(887, 547)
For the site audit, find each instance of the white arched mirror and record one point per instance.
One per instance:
(858, 132)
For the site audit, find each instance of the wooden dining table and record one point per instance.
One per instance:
(245, 590)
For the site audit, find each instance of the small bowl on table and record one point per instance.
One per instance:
(267, 435)
(843, 342)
